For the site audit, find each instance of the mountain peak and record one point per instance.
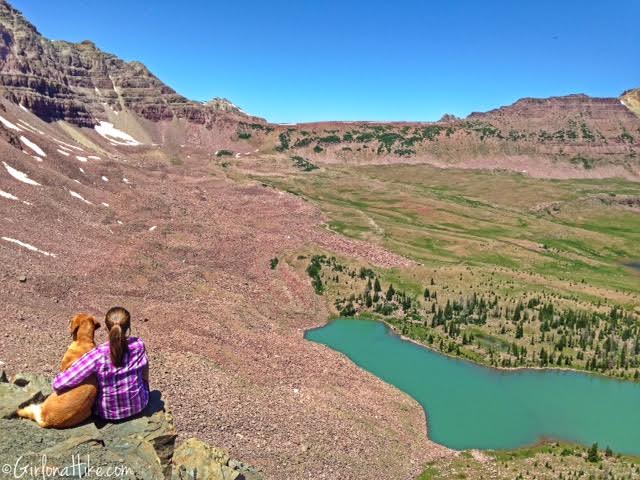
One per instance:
(631, 100)
(81, 84)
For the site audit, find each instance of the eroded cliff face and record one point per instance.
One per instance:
(573, 136)
(79, 83)
(606, 115)
(631, 100)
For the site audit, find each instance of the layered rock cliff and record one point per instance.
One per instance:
(631, 100)
(79, 83)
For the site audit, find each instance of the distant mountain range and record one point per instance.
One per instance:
(82, 85)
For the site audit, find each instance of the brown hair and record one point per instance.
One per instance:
(118, 321)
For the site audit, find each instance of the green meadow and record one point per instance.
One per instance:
(568, 230)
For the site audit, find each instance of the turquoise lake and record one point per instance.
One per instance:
(470, 406)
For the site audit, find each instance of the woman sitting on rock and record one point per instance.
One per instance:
(120, 366)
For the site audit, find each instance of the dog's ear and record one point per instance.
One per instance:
(74, 324)
(96, 323)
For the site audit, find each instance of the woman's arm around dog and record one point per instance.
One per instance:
(82, 369)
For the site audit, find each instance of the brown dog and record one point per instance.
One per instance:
(73, 406)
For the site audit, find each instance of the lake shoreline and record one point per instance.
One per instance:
(395, 331)
(390, 329)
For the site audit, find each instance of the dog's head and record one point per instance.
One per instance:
(85, 321)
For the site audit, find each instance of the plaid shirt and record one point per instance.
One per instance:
(122, 392)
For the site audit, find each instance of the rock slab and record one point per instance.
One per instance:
(143, 447)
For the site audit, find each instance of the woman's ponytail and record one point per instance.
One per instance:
(117, 344)
(118, 321)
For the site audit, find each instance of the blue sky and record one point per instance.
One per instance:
(292, 61)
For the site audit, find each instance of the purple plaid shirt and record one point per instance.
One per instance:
(122, 392)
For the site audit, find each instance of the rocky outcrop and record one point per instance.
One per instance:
(578, 117)
(631, 100)
(81, 84)
(141, 448)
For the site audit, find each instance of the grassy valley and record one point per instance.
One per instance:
(509, 271)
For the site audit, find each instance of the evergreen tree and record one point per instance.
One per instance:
(448, 311)
(518, 312)
(592, 454)
(348, 310)
(376, 286)
(368, 300)
(544, 358)
(390, 292)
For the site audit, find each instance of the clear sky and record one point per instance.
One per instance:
(306, 60)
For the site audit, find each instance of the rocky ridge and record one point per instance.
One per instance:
(572, 136)
(631, 100)
(79, 83)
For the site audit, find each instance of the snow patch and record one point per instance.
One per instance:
(68, 145)
(93, 157)
(82, 159)
(126, 180)
(115, 136)
(79, 197)
(24, 108)
(20, 176)
(10, 125)
(28, 246)
(153, 228)
(81, 169)
(104, 179)
(32, 146)
(30, 127)
(7, 195)
(62, 152)
(105, 204)
(25, 125)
